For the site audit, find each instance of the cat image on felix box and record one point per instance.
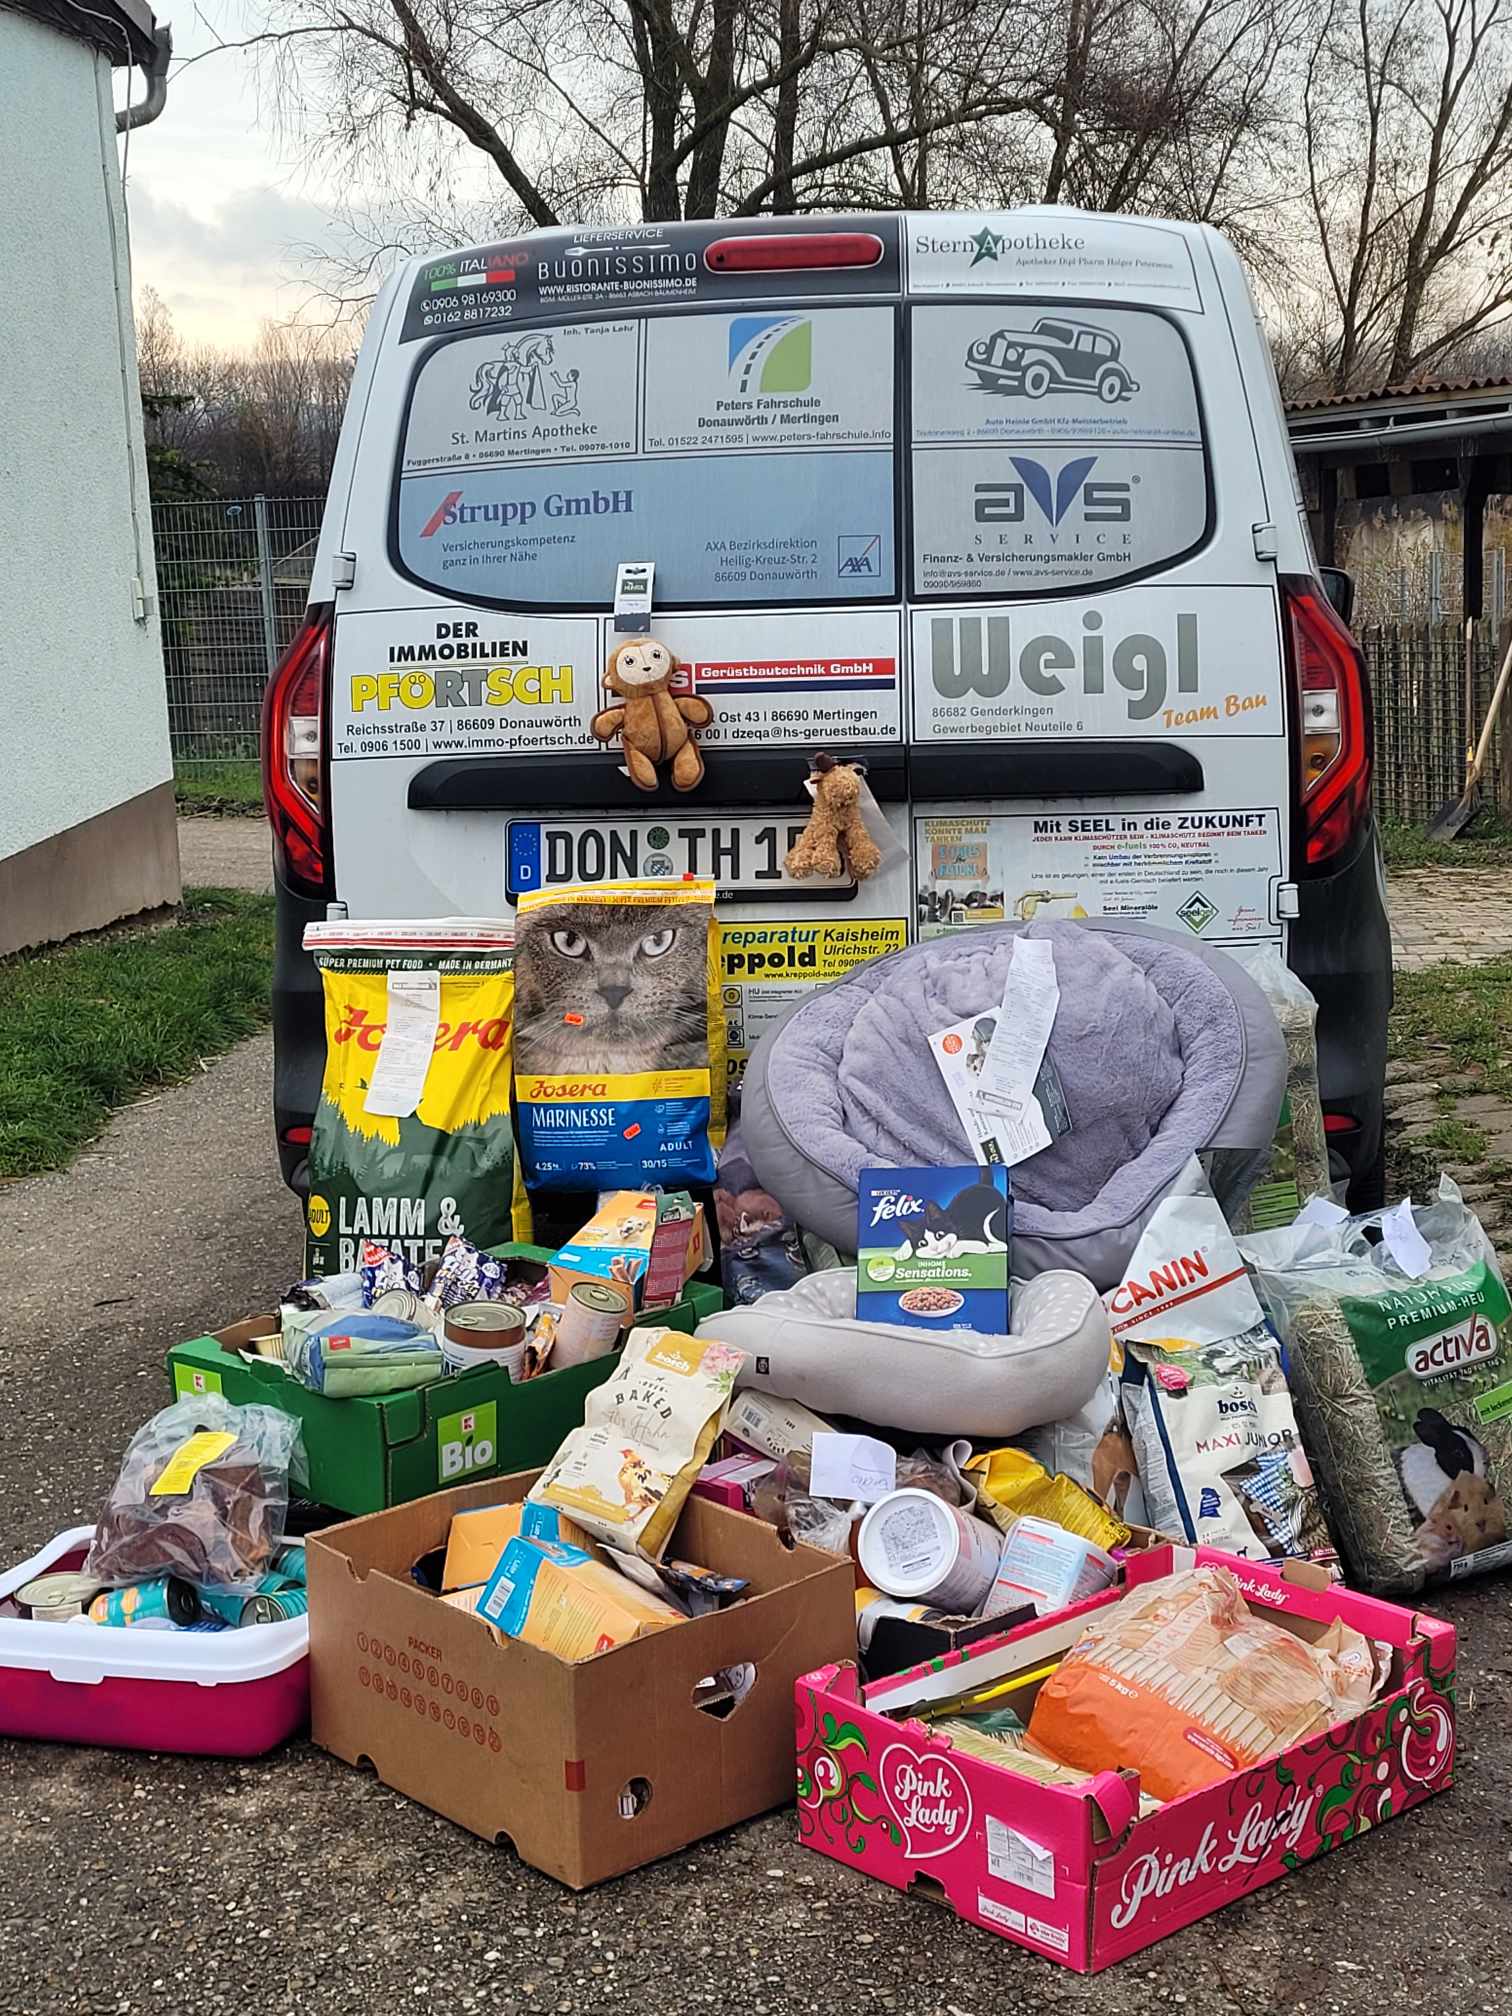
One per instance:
(974, 1221)
(607, 987)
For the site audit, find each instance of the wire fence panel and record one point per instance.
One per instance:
(1427, 713)
(233, 580)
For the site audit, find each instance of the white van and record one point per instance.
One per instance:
(1000, 504)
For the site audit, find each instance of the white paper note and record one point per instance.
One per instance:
(1321, 1211)
(1404, 1242)
(409, 1042)
(1030, 1000)
(1013, 1858)
(853, 1466)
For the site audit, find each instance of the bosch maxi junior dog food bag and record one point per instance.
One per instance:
(412, 1142)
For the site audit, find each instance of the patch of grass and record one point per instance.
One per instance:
(1461, 1139)
(232, 786)
(1449, 1017)
(85, 1027)
(1487, 843)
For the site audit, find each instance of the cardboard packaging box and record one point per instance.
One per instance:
(1073, 1873)
(645, 1244)
(367, 1453)
(589, 1769)
(933, 1248)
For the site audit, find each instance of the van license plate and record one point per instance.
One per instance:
(743, 857)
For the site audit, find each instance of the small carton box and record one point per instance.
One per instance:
(588, 1768)
(933, 1248)
(1077, 1873)
(642, 1243)
(373, 1451)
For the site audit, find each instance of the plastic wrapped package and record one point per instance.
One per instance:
(203, 1493)
(784, 1500)
(1297, 1166)
(1399, 1350)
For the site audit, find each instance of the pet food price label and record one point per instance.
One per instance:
(1210, 874)
(764, 969)
(463, 682)
(805, 682)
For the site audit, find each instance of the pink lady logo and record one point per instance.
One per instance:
(929, 1798)
(1249, 1843)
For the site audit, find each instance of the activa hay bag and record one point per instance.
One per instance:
(620, 1043)
(412, 1142)
(1403, 1385)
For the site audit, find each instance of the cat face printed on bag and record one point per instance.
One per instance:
(610, 987)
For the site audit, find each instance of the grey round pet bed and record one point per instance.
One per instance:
(1164, 1049)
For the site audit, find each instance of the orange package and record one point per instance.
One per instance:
(1183, 1683)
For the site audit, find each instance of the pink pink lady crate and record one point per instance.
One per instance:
(1074, 1872)
(214, 1694)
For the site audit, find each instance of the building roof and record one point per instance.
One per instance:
(123, 30)
(1436, 389)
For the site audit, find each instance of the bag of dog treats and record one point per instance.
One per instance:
(1400, 1352)
(412, 1143)
(646, 1434)
(620, 1035)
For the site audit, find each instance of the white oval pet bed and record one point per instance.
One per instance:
(806, 1344)
(1164, 1049)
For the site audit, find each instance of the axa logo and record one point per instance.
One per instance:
(1053, 493)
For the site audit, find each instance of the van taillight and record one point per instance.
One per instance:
(293, 755)
(1333, 703)
(791, 253)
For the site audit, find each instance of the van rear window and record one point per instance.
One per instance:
(1050, 452)
(750, 456)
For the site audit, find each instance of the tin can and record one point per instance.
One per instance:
(164, 1602)
(405, 1306)
(484, 1333)
(53, 1599)
(593, 1316)
(275, 1609)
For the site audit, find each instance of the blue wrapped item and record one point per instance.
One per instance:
(346, 1353)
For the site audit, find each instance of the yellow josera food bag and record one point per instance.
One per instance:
(450, 1166)
(620, 1038)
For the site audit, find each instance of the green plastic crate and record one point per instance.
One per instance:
(367, 1454)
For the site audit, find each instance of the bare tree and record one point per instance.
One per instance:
(1406, 131)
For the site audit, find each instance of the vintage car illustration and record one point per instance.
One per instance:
(1054, 356)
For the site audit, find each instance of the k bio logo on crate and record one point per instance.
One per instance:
(467, 1444)
(424, 686)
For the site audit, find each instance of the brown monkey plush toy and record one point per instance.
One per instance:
(652, 724)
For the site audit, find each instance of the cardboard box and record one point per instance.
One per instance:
(644, 1244)
(933, 1248)
(1073, 1873)
(732, 1480)
(370, 1452)
(588, 1769)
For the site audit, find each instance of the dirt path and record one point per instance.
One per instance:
(218, 853)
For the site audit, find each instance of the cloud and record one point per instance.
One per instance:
(256, 233)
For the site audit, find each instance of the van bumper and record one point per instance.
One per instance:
(298, 1030)
(1341, 948)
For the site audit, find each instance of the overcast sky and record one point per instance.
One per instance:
(219, 203)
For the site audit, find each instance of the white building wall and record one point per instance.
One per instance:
(83, 709)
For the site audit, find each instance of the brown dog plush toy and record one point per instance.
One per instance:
(653, 724)
(835, 837)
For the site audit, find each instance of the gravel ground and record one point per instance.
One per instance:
(135, 1883)
(225, 853)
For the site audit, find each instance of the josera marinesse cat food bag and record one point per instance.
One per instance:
(620, 1035)
(412, 1140)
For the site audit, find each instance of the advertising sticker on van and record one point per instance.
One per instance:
(1207, 874)
(1050, 252)
(833, 679)
(533, 395)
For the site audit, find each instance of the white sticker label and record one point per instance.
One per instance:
(1052, 1935)
(1000, 1914)
(407, 1046)
(853, 1466)
(1013, 1858)
(632, 596)
(1404, 1242)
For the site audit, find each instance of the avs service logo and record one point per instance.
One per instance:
(771, 353)
(1052, 493)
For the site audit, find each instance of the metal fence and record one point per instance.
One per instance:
(233, 579)
(1429, 704)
